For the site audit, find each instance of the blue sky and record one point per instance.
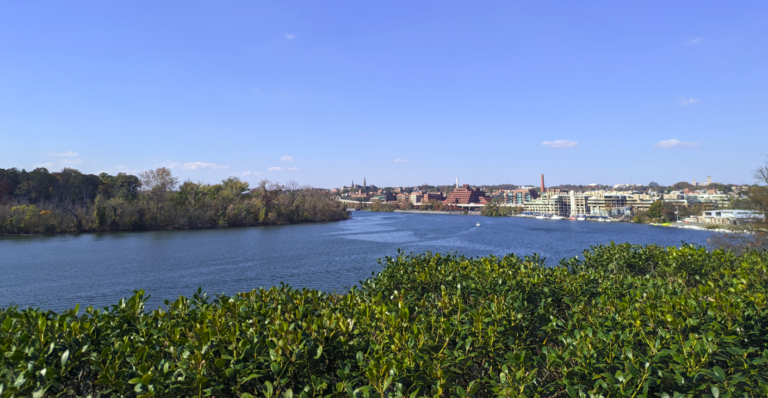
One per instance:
(323, 92)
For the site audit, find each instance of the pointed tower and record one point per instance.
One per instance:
(365, 186)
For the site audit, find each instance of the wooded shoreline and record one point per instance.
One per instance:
(40, 202)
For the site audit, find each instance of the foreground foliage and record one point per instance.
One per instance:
(626, 321)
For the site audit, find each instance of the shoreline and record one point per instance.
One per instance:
(696, 227)
(170, 229)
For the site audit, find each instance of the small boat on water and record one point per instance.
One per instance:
(573, 218)
(608, 220)
(477, 225)
(601, 219)
(581, 218)
(556, 217)
(541, 217)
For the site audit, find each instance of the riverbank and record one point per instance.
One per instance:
(455, 213)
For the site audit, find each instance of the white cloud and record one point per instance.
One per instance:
(401, 161)
(283, 168)
(689, 101)
(46, 165)
(288, 159)
(674, 142)
(560, 144)
(201, 165)
(695, 41)
(71, 161)
(290, 36)
(68, 153)
(251, 173)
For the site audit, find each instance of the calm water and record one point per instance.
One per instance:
(57, 272)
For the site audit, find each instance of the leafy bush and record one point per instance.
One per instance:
(626, 321)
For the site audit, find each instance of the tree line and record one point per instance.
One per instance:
(40, 201)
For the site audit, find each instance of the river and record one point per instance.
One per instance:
(56, 272)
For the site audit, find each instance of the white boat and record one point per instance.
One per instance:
(608, 220)
(601, 219)
(556, 217)
(541, 217)
(477, 225)
(581, 218)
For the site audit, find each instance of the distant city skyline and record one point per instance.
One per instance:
(401, 93)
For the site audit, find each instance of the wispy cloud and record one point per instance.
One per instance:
(291, 36)
(71, 161)
(46, 165)
(201, 165)
(251, 173)
(689, 101)
(68, 154)
(675, 143)
(694, 41)
(560, 144)
(401, 160)
(288, 159)
(283, 168)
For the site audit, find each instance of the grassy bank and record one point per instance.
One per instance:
(630, 321)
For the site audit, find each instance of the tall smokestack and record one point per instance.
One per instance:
(457, 182)
(542, 183)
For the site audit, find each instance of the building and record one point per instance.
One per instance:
(424, 197)
(608, 204)
(520, 196)
(734, 217)
(384, 197)
(466, 195)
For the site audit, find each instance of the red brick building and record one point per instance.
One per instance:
(466, 195)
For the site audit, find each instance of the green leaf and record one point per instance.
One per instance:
(275, 368)
(64, 358)
(221, 362)
(288, 394)
(319, 352)
(571, 392)
(715, 392)
(719, 373)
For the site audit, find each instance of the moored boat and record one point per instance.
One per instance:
(581, 218)
(556, 217)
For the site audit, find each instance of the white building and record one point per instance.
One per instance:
(729, 216)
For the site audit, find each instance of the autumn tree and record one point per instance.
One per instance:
(156, 184)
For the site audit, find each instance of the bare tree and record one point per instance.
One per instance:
(156, 184)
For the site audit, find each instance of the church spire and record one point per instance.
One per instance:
(364, 184)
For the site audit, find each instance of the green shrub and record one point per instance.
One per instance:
(626, 321)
